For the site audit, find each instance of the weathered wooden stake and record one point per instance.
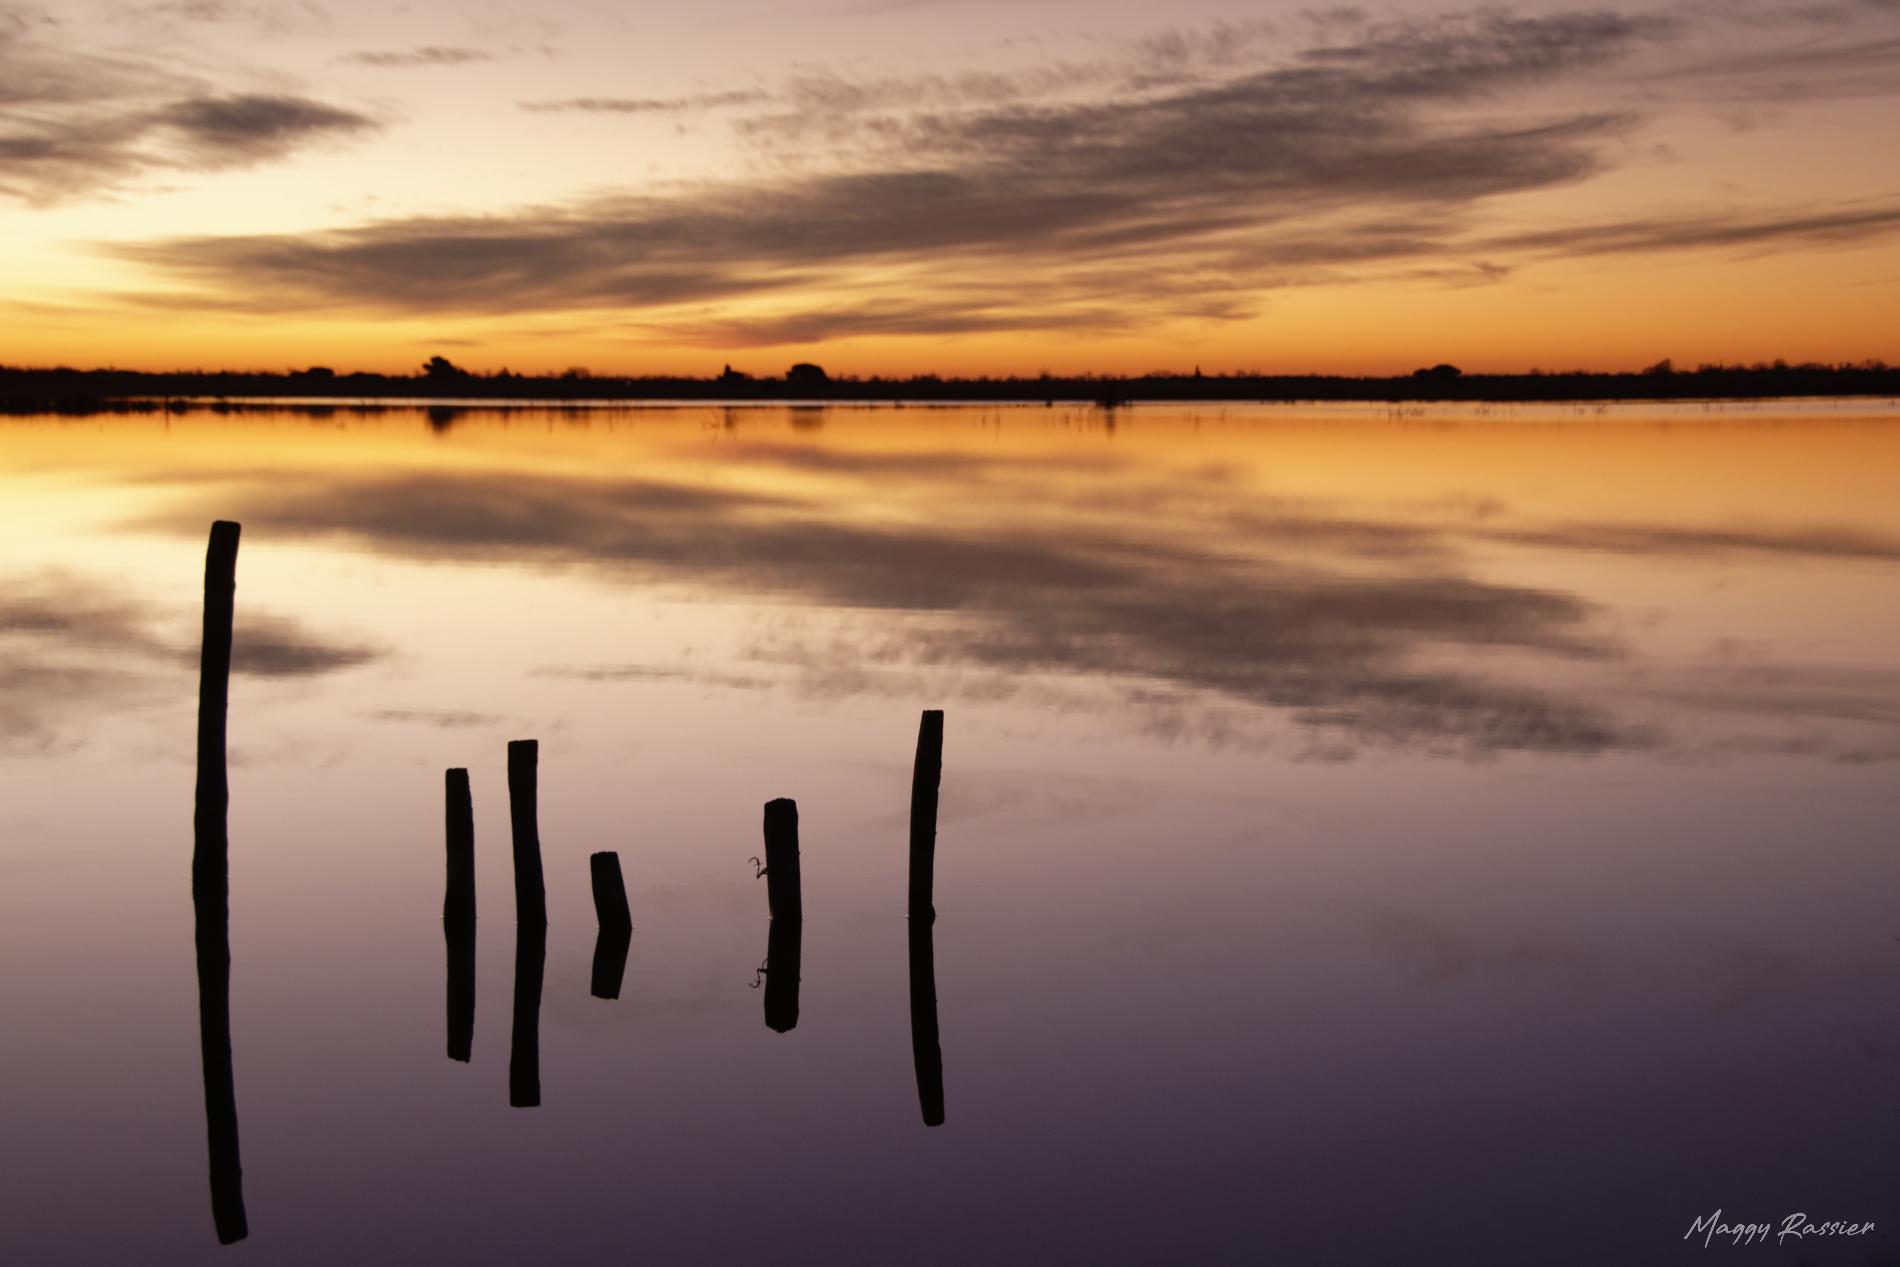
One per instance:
(458, 898)
(531, 898)
(610, 891)
(524, 1047)
(783, 943)
(610, 960)
(460, 935)
(924, 778)
(925, 1050)
(782, 882)
(211, 888)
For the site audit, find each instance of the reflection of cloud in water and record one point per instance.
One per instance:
(654, 673)
(1186, 601)
(440, 718)
(1338, 645)
(72, 645)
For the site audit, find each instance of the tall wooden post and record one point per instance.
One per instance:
(926, 774)
(458, 897)
(531, 899)
(211, 888)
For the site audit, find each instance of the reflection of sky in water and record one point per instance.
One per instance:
(1359, 833)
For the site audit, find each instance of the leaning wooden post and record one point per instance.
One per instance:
(610, 891)
(782, 883)
(458, 898)
(531, 899)
(924, 778)
(211, 888)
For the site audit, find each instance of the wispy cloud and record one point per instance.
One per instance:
(647, 105)
(74, 122)
(429, 55)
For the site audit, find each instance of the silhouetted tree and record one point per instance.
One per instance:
(805, 374)
(440, 367)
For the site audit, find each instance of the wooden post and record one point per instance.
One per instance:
(531, 899)
(610, 891)
(211, 888)
(524, 1048)
(610, 960)
(460, 935)
(782, 881)
(782, 946)
(214, 693)
(926, 774)
(458, 898)
(925, 1050)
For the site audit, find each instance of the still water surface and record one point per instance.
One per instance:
(1442, 836)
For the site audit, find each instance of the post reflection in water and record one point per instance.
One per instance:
(524, 1050)
(782, 949)
(926, 1051)
(610, 960)
(210, 889)
(461, 945)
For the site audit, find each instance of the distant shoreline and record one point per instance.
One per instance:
(117, 391)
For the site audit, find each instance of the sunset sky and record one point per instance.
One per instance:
(959, 186)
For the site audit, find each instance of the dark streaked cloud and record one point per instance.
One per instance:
(1180, 178)
(428, 55)
(1810, 541)
(1232, 175)
(247, 128)
(1720, 229)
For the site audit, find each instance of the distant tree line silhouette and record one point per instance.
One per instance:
(69, 390)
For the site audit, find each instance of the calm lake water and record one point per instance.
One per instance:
(1446, 835)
